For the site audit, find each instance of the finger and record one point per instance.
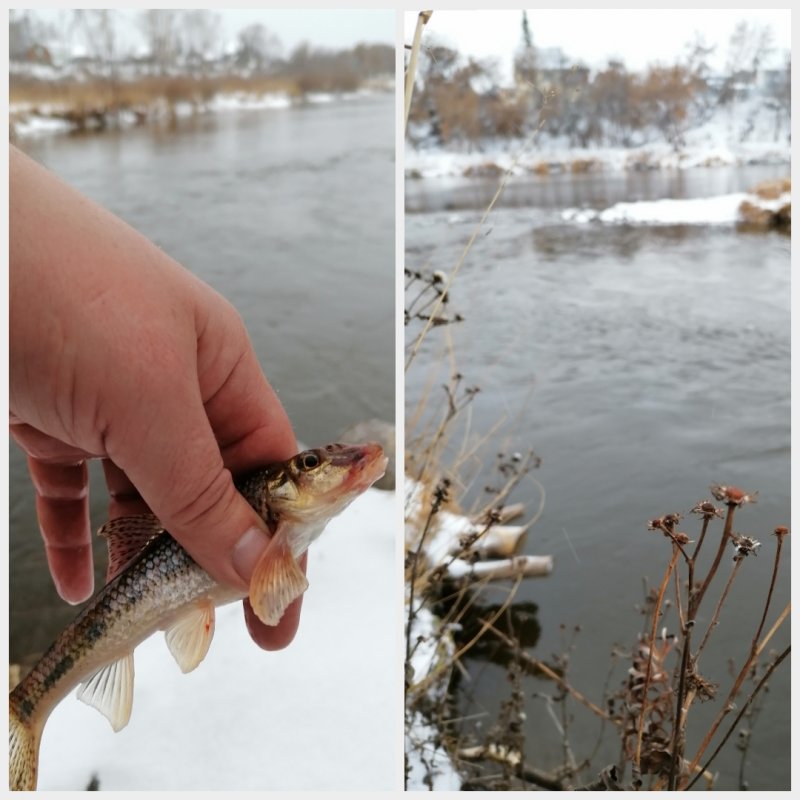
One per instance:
(44, 448)
(275, 637)
(125, 498)
(62, 506)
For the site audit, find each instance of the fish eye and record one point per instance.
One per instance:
(308, 461)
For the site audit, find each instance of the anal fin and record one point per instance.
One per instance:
(110, 691)
(189, 637)
(277, 580)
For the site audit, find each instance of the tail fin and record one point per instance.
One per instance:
(23, 753)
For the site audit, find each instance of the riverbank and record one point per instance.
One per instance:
(530, 158)
(741, 135)
(64, 110)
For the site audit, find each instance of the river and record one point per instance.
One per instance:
(289, 213)
(642, 364)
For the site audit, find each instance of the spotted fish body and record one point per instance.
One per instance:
(155, 584)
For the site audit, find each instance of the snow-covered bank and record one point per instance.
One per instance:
(522, 158)
(743, 134)
(448, 544)
(28, 120)
(320, 715)
(722, 210)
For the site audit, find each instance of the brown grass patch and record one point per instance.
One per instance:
(582, 165)
(756, 218)
(772, 190)
(486, 170)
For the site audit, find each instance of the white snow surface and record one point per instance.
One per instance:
(720, 210)
(428, 761)
(320, 715)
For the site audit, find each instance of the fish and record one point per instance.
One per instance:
(154, 584)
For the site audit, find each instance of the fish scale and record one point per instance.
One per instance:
(164, 578)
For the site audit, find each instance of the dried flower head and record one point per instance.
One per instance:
(781, 531)
(705, 689)
(682, 539)
(745, 546)
(707, 509)
(666, 523)
(733, 495)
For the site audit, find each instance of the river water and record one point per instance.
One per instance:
(289, 213)
(642, 364)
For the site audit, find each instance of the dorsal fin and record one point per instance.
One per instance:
(126, 538)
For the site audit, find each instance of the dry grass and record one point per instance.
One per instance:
(486, 170)
(772, 190)
(143, 92)
(755, 218)
(580, 166)
(541, 168)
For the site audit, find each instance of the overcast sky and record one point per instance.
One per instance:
(327, 28)
(639, 37)
(338, 29)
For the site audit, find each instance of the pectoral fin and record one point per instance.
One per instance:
(277, 580)
(110, 691)
(189, 637)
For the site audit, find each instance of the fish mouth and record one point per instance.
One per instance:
(367, 463)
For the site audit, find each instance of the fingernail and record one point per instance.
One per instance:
(247, 552)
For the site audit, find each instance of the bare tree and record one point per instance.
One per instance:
(749, 45)
(667, 97)
(98, 29)
(258, 49)
(25, 32)
(200, 36)
(160, 28)
(779, 97)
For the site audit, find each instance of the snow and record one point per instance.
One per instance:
(524, 158)
(34, 125)
(720, 210)
(319, 715)
(29, 120)
(241, 101)
(427, 759)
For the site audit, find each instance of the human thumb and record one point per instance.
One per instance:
(177, 467)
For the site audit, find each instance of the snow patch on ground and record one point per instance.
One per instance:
(721, 210)
(320, 715)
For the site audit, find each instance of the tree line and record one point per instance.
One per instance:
(461, 100)
(173, 42)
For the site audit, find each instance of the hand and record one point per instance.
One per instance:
(117, 352)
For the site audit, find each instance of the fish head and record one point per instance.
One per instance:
(319, 483)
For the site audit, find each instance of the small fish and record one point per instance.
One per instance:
(154, 584)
